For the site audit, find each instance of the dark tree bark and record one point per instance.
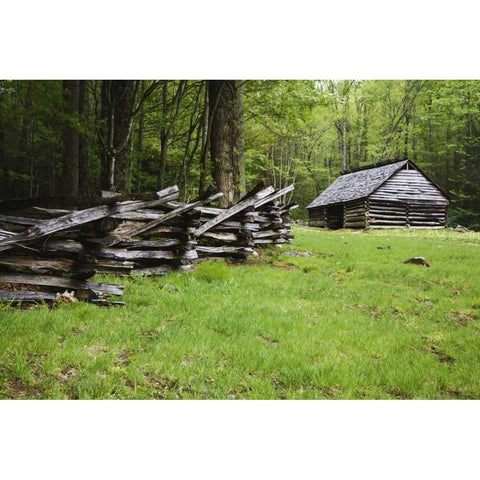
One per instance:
(226, 138)
(239, 150)
(139, 144)
(123, 103)
(164, 134)
(70, 138)
(83, 110)
(118, 109)
(170, 110)
(205, 142)
(3, 157)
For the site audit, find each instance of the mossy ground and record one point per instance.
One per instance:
(351, 322)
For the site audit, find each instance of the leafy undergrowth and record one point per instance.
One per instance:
(353, 321)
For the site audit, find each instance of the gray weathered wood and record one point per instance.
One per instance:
(61, 282)
(20, 220)
(26, 296)
(233, 210)
(83, 216)
(164, 218)
(274, 196)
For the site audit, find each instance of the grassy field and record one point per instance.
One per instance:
(351, 322)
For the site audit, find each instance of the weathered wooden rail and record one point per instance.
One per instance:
(45, 251)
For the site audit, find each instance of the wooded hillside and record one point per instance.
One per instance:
(77, 137)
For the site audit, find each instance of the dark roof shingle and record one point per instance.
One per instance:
(357, 185)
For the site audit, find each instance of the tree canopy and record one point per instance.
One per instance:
(68, 137)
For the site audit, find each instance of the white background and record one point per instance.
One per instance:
(239, 439)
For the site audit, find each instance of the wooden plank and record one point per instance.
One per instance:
(233, 210)
(46, 265)
(83, 216)
(222, 236)
(51, 212)
(62, 282)
(6, 234)
(160, 270)
(110, 241)
(269, 233)
(236, 226)
(106, 303)
(20, 220)
(26, 296)
(223, 249)
(121, 254)
(274, 196)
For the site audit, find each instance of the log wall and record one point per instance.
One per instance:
(407, 199)
(355, 214)
(317, 217)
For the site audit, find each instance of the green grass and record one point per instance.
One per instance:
(351, 322)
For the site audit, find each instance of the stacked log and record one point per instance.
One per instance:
(355, 214)
(423, 215)
(317, 217)
(387, 214)
(233, 238)
(44, 250)
(152, 236)
(255, 221)
(274, 219)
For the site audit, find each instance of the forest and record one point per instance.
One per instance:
(77, 137)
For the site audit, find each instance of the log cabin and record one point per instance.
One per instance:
(395, 195)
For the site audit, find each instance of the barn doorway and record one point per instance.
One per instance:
(334, 216)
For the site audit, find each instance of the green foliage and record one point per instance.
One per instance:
(304, 132)
(461, 216)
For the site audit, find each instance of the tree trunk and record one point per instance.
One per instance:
(118, 104)
(225, 139)
(164, 130)
(70, 138)
(3, 157)
(139, 147)
(83, 110)
(205, 143)
(123, 94)
(239, 148)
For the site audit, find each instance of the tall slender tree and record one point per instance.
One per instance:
(71, 138)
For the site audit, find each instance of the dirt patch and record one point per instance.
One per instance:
(17, 388)
(72, 393)
(442, 356)
(66, 374)
(331, 391)
(148, 332)
(123, 358)
(163, 384)
(399, 394)
(457, 394)
(239, 391)
(268, 339)
(462, 318)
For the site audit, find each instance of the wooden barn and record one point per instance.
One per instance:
(390, 196)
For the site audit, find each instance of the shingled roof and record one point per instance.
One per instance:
(357, 185)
